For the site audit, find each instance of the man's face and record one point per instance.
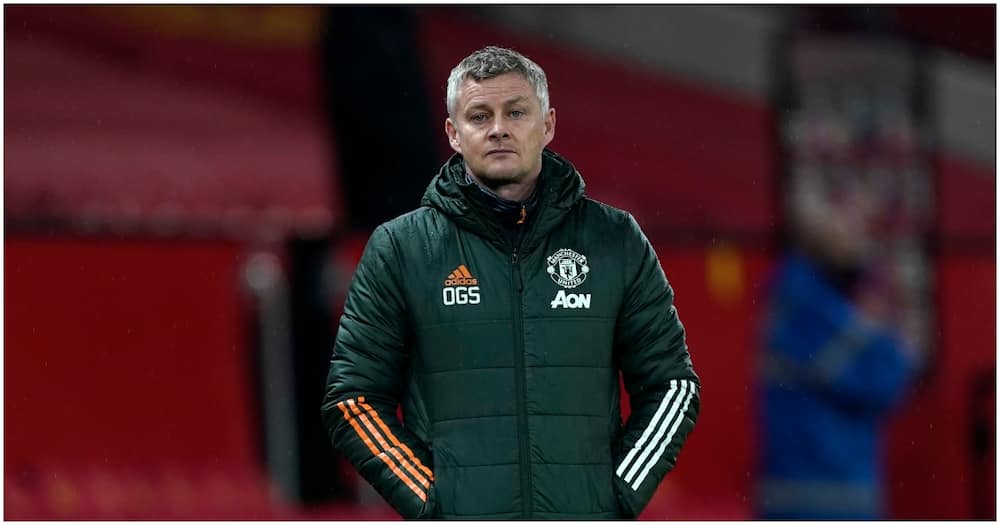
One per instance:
(499, 129)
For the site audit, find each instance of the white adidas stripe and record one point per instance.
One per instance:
(666, 441)
(670, 399)
(649, 429)
(664, 423)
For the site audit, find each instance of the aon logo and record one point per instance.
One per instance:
(460, 295)
(571, 300)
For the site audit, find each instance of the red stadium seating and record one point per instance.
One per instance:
(131, 150)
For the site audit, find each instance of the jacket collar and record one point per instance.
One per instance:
(560, 188)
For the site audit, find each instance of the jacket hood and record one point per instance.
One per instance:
(560, 185)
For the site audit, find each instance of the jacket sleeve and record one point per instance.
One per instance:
(819, 341)
(366, 377)
(658, 375)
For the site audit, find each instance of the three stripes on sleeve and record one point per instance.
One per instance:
(398, 457)
(658, 433)
(634, 469)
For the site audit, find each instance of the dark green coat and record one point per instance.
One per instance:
(506, 359)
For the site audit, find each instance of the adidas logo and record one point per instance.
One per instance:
(461, 276)
(460, 287)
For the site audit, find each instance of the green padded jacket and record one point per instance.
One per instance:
(505, 357)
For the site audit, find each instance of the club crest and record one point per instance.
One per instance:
(567, 268)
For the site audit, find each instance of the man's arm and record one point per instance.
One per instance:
(656, 368)
(365, 381)
(819, 340)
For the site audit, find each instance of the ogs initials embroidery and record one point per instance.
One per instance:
(460, 287)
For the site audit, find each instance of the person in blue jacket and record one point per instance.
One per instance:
(831, 371)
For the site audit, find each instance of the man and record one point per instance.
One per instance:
(833, 368)
(499, 315)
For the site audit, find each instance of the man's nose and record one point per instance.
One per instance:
(499, 129)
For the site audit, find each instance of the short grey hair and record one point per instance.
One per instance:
(493, 61)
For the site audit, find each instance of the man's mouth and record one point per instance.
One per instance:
(499, 151)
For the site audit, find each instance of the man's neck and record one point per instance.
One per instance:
(512, 191)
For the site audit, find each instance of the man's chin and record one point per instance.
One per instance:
(495, 179)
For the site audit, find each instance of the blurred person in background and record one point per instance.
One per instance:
(499, 314)
(832, 369)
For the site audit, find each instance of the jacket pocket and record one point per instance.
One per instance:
(430, 510)
(624, 507)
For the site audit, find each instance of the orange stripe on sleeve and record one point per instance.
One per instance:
(364, 437)
(378, 420)
(385, 459)
(378, 437)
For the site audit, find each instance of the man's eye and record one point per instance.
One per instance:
(478, 117)
(517, 113)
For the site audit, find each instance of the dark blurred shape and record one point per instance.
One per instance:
(379, 114)
(983, 449)
(379, 111)
(968, 29)
(843, 19)
(310, 303)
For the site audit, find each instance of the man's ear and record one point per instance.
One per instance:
(452, 132)
(550, 126)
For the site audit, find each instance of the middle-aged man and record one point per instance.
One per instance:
(499, 315)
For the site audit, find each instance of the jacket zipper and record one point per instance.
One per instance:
(522, 405)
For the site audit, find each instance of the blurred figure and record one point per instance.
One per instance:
(832, 368)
